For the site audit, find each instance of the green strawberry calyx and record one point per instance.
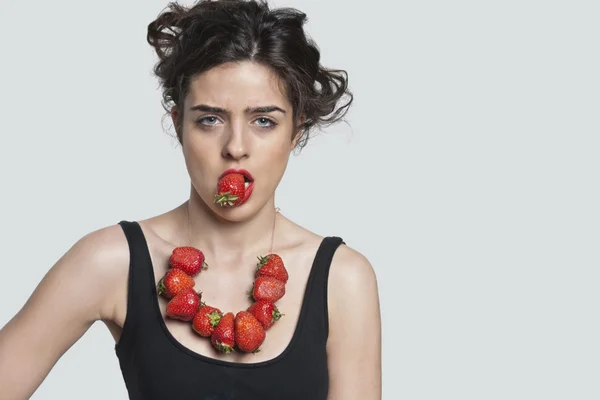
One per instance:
(161, 286)
(250, 293)
(223, 348)
(225, 199)
(262, 260)
(214, 317)
(276, 314)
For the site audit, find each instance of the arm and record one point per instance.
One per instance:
(74, 293)
(354, 344)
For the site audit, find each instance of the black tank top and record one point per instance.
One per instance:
(156, 366)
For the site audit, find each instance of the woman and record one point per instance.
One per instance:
(244, 87)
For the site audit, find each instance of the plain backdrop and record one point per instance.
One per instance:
(467, 174)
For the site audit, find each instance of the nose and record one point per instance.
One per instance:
(235, 146)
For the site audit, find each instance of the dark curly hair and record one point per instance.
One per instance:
(191, 40)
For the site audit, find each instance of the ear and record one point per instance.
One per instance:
(174, 115)
(175, 119)
(298, 132)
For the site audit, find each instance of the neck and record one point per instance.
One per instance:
(227, 238)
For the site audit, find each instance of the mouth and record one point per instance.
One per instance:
(249, 187)
(247, 182)
(248, 178)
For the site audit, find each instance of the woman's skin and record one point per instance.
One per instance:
(89, 283)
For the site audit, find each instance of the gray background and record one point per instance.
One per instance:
(468, 175)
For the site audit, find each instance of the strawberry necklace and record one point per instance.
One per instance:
(244, 331)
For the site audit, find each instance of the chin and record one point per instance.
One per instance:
(235, 214)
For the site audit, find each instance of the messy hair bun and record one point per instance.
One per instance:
(191, 40)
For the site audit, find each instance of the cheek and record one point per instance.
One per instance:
(199, 157)
(201, 149)
(276, 164)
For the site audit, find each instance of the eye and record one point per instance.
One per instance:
(209, 120)
(265, 122)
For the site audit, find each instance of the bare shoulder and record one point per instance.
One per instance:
(73, 294)
(354, 314)
(351, 272)
(104, 244)
(352, 295)
(100, 260)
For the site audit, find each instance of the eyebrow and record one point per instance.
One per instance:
(248, 110)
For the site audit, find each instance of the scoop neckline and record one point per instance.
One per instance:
(297, 330)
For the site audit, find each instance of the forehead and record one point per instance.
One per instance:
(236, 86)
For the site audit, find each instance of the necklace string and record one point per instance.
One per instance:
(187, 208)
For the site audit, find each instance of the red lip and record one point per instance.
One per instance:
(237, 171)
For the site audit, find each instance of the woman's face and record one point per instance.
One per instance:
(236, 116)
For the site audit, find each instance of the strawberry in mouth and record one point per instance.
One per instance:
(248, 186)
(247, 182)
(233, 189)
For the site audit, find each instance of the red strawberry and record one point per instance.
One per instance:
(265, 312)
(272, 265)
(230, 190)
(184, 305)
(223, 336)
(188, 259)
(173, 282)
(206, 319)
(249, 333)
(268, 288)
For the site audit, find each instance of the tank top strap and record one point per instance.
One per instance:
(139, 285)
(318, 314)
